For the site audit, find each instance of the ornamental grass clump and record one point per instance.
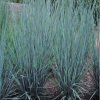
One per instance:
(41, 37)
(28, 54)
(73, 46)
(2, 38)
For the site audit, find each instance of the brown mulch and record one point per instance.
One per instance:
(51, 87)
(88, 85)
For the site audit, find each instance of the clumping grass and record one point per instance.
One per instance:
(28, 54)
(44, 37)
(74, 41)
(2, 36)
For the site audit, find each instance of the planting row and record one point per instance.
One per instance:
(59, 40)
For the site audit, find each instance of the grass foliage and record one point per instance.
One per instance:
(2, 16)
(44, 37)
(28, 54)
(74, 42)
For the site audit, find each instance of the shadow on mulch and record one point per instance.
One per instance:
(95, 97)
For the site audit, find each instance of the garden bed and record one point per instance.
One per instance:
(49, 56)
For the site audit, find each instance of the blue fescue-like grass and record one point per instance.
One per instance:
(2, 36)
(2, 16)
(28, 54)
(44, 37)
(74, 43)
(2, 51)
